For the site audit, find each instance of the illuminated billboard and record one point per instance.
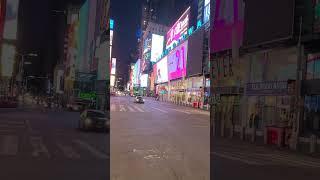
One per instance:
(112, 81)
(178, 29)
(156, 47)
(177, 60)
(228, 23)
(162, 70)
(111, 37)
(2, 16)
(111, 24)
(113, 66)
(82, 36)
(11, 20)
(136, 72)
(206, 11)
(144, 80)
(7, 59)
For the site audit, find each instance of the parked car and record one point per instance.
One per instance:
(91, 119)
(76, 106)
(138, 99)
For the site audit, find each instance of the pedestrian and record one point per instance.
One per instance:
(251, 120)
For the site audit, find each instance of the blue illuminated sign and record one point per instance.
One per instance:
(111, 23)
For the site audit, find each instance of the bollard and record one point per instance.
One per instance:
(313, 143)
(253, 134)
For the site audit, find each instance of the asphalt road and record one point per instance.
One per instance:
(158, 141)
(42, 145)
(234, 159)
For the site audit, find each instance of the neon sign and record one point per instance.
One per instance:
(178, 29)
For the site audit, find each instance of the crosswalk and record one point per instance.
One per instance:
(39, 147)
(265, 158)
(129, 108)
(138, 108)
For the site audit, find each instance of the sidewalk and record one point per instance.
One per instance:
(204, 108)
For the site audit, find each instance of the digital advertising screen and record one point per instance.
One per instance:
(112, 81)
(178, 29)
(206, 11)
(156, 47)
(144, 80)
(113, 65)
(111, 24)
(177, 61)
(11, 20)
(7, 59)
(137, 72)
(162, 70)
(82, 35)
(228, 23)
(2, 16)
(195, 53)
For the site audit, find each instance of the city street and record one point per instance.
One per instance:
(158, 141)
(233, 159)
(47, 145)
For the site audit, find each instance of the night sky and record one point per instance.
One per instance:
(127, 21)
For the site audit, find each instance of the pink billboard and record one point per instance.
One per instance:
(177, 61)
(228, 23)
(178, 29)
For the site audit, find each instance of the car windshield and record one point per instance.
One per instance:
(96, 114)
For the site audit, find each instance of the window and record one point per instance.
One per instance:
(313, 68)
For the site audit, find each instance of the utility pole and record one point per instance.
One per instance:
(299, 100)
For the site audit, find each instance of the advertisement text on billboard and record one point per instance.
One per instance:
(178, 29)
(144, 80)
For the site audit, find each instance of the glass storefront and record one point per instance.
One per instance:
(178, 91)
(311, 121)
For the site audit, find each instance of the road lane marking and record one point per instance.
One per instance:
(68, 151)
(159, 110)
(131, 109)
(290, 161)
(139, 109)
(226, 156)
(38, 146)
(9, 146)
(122, 109)
(186, 112)
(91, 149)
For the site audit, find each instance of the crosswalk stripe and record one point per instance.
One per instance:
(131, 109)
(122, 109)
(159, 110)
(68, 151)
(113, 107)
(9, 145)
(137, 108)
(38, 146)
(91, 149)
